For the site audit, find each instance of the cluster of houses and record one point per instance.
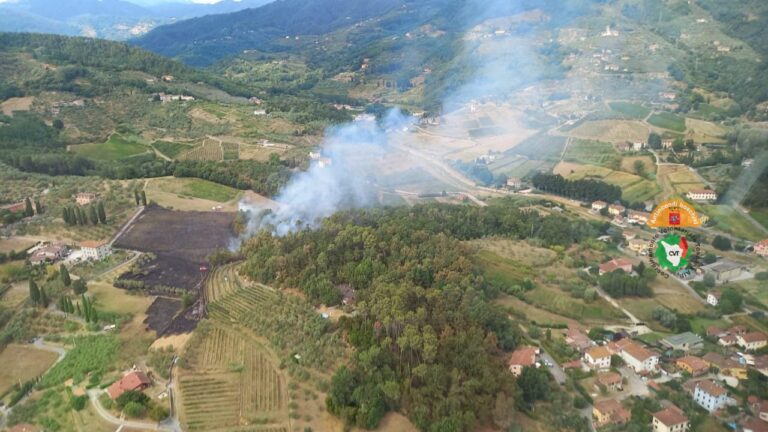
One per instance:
(621, 216)
(166, 98)
(708, 375)
(53, 252)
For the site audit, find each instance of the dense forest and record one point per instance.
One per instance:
(427, 337)
(584, 189)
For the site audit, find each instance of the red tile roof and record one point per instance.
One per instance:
(523, 356)
(93, 244)
(753, 337)
(130, 382)
(711, 388)
(614, 264)
(671, 416)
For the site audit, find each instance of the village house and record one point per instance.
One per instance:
(638, 245)
(713, 298)
(628, 235)
(615, 264)
(623, 146)
(133, 381)
(684, 342)
(709, 395)
(724, 270)
(671, 419)
(609, 411)
(752, 341)
(85, 198)
(638, 145)
(576, 338)
(701, 195)
(761, 247)
(348, 294)
(693, 365)
(726, 366)
(715, 331)
(727, 340)
(599, 205)
(639, 358)
(638, 217)
(611, 381)
(666, 144)
(597, 358)
(616, 209)
(95, 250)
(514, 183)
(522, 357)
(754, 425)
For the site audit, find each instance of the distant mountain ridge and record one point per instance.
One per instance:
(108, 19)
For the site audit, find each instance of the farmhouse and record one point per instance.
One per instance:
(85, 198)
(616, 264)
(761, 247)
(515, 182)
(577, 339)
(134, 381)
(95, 250)
(752, 341)
(684, 341)
(597, 358)
(693, 365)
(610, 380)
(709, 395)
(727, 340)
(666, 144)
(638, 145)
(610, 412)
(640, 359)
(599, 205)
(616, 209)
(670, 419)
(638, 217)
(713, 298)
(701, 195)
(524, 356)
(638, 245)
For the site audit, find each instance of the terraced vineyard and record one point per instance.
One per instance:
(209, 150)
(231, 150)
(231, 381)
(224, 280)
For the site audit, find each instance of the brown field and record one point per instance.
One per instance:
(22, 363)
(565, 169)
(8, 244)
(166, 191)
(201, 114)
(258, 152)
(676, 180)
(16, 104)
(611, 131)
(16, 295)
(704, 130)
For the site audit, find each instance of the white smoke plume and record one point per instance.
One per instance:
(339, 179)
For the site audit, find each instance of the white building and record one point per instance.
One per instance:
(599, 205)
(95, 250)
(597, 358)
(710, 396)
(701, 195)
(671, 419)
(751, 341)
(640, 359)
(713, 298)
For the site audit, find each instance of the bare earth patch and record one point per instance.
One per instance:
(21, 363)
(17, 104)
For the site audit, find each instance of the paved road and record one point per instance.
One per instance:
(556, 371)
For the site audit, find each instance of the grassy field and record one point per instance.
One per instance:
(115, 148)
(732, 221)
(669, 121)
(760, 215)
(611, 130)
(22, 363)
(210, 150)
(15, 244)
(171, 149)
(203, 189)
(178, 189)
(540, 146)
(592, 153)
(630, 110)
(634, 188)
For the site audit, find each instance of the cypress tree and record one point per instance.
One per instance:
(34, 292)
(143, 198)
(80, 216)
(65, 215)
(93, 218)
(64, 275)
(38, 207)
(28, 211)
(43, 298)
(136, 196)
(102, 213)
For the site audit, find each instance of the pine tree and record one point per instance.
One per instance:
(64, 275)
(38, 207)
(93, 218)
(34, 292)
(102, 213)
(143, 198)
(28, 211)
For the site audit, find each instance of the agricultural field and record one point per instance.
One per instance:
(634, 188)
(668, 121)
(221, 282)
(630, 110)
(197, 188)
(22, 363)
(540, 146)
(592, 153)
(628, 164)
(210, 150)
(612, 131)
(677, 180)
(15, 244)
(230, 151)
(171, 149)
(732, 221)
(704, 131)
(115, 148)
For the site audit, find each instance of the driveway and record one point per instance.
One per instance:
(94, 394)
(556, 371)
(635, 385)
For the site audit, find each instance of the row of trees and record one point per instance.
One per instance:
(76, 215)
(583, 189)
(140, 197)
(621, 284)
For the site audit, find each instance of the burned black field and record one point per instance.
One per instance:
(180, 243)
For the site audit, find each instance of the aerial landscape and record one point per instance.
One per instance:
(391, 215)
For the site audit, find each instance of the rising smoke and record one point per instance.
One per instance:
(339, 178)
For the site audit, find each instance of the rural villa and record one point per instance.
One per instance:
(95, 250)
